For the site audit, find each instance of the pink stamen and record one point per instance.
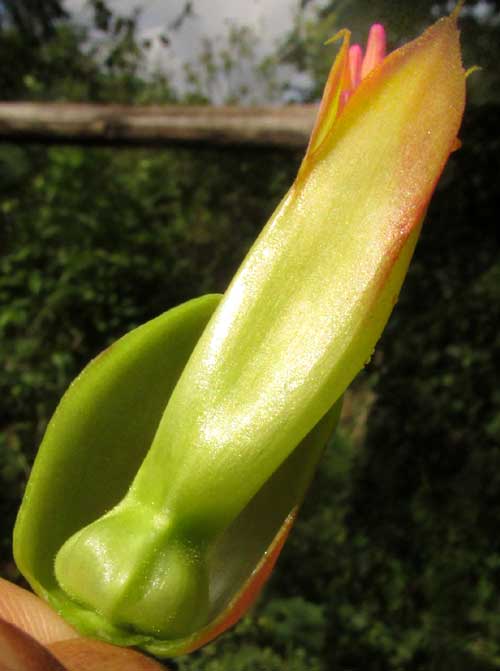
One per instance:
(355, 62)
(375, 49)
(360, 66)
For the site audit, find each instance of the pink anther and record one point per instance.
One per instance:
(375, 49)
(355, 62)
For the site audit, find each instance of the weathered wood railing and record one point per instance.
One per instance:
(115, 125)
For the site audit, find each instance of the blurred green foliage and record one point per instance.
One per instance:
(394, 564)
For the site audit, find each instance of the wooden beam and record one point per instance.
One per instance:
(89, 124)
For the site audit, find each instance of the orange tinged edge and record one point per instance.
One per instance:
(327, 116)
(242, 602)
(444, 29)
(322, 141)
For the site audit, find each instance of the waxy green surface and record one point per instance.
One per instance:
(93, 448)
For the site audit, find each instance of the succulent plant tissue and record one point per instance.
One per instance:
(154, 523)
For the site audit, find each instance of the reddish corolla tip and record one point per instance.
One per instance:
(375, 49)
(355, 64)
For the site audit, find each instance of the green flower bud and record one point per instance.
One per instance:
(173, 468)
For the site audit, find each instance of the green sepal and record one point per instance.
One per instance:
(95, 443)
(92, 449)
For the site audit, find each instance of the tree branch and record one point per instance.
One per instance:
(115, 125)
